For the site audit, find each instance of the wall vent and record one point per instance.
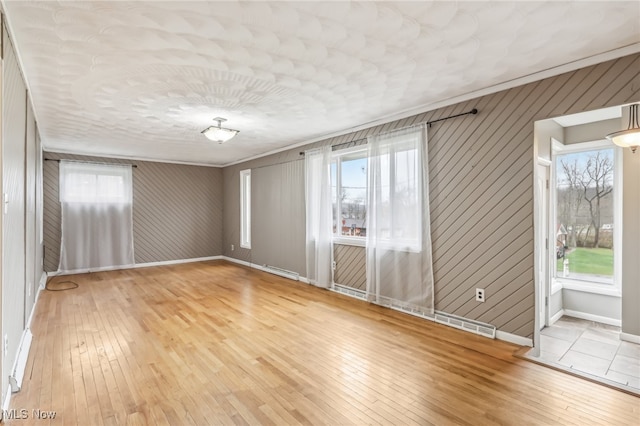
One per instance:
(281, 272)
(486, 330)
(482, 329)
(358, 294)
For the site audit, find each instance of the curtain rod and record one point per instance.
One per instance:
(57, 160)
(473, 111)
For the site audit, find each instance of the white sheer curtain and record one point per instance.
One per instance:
(399, 264)
(319, 216)
(97, 223)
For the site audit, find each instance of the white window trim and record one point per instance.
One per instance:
(245, 209)
(345, 240)
(609, 289)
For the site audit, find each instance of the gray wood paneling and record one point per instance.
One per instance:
(14, 125)
(278, 216)
(30, 211)
(351, 268)
(481, 189)
(177, 210)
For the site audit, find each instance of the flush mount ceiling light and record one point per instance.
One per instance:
(629, 138)
(219, 134)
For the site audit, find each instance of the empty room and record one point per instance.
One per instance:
(320, 213)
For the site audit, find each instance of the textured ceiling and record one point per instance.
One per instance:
(142, 79)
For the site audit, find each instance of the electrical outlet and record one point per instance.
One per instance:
(333, 265)
(6, 344)
(479, 294)
(233, 247)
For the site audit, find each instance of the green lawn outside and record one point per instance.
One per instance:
(589, 261)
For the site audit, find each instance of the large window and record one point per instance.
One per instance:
(349, 195)
(245, 209)
(585, 198)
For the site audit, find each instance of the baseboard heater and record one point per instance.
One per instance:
(476, 327)
(281, 272)
(486, 330)
(353, 292)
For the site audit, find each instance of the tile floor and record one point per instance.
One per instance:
(592, 348)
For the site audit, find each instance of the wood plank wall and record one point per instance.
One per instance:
(481, 187)
(177, 210)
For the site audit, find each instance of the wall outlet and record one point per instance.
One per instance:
(333, 265)
(233, 247)
(479, 294)
(6, 345)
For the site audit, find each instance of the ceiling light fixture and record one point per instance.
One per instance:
(629, 138)
(219, 134)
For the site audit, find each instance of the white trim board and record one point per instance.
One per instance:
(592, 317)
(556, 317)
(137, 265)
(261, 268)
(513, 338)
(633, 338)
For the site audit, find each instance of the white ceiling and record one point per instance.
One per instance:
(142, 79)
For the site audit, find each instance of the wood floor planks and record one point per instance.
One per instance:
(216, 343)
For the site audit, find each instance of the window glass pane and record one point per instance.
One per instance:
(584, 215)
(353, 195)
(334, 195)
(89, 183)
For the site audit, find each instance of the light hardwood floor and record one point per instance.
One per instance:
(216, 343)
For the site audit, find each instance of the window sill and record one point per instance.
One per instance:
(350, 241)
(587, 287)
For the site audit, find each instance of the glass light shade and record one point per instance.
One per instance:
(219, 134)
(626, 138)
(629, 138)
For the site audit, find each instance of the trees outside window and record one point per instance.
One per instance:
(585, 215)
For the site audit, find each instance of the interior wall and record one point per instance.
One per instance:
(631, 243)
(277, 197)
(19, 181)
(177, 210)
(481, 188)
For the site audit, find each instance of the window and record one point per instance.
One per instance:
(586, 211)
(349, 195)
(95, 183)
(245, 209)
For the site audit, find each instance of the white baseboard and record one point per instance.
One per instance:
(633, 338)
(556, 317)
(134, 266)
(259, 267)
(591, 317)
(15, 378)
(176, 262)
(513, 338)
(239, 262)
(43, 281)
(7, 400)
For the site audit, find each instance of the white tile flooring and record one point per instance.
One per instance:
(592, 348)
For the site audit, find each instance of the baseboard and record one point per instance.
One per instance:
(258, 267)
(591, 317)
(175, 262)
(513, 338)
(136, 265)
(15, 378)
(238, 261)
(7, 400)
(556, 317)
(627, 337)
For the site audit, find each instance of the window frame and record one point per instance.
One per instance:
(586, 285)
(245, 209)
(336, 158)
(68, 169)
